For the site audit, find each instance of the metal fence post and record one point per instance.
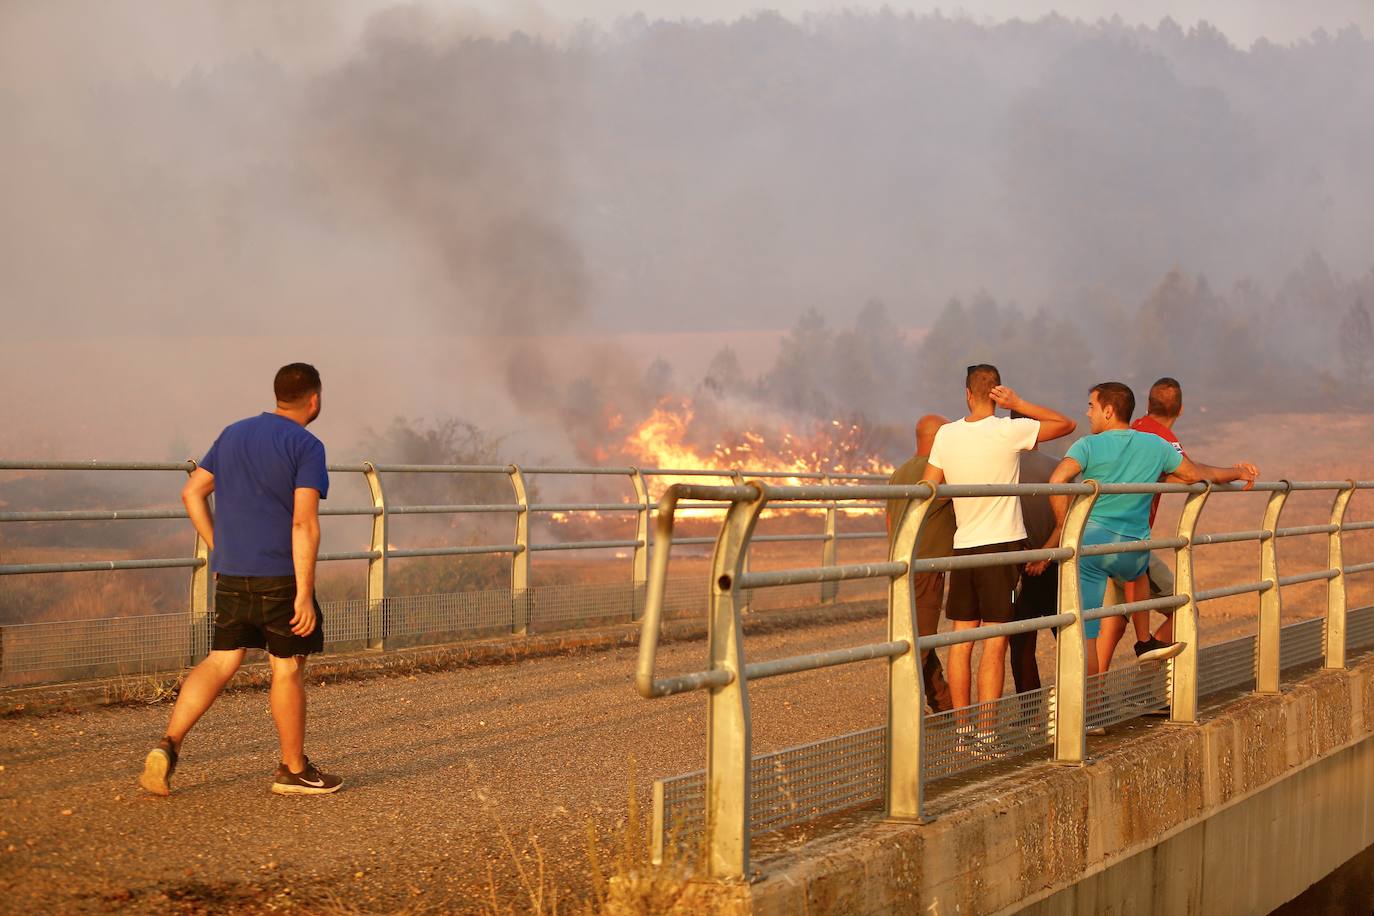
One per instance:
(1271, 599)
(520, 560)
(1071, 656)
(1184, 670)
(728, 725)
(639, 572)
(905, 698)
(829, 590)
(744, 599)
(199, 603)
(1333, 650)
(377, 624)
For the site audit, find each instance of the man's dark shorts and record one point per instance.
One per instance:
(254, 612)
(986, 593)
(1039, 595)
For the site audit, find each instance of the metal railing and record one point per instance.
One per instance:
(740, 795)
(72, 649)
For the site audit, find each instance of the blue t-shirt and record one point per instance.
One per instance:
(1124, 456)
(258, 464)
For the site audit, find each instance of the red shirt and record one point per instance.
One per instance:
(1148, 424)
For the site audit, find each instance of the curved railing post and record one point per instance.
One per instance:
(520, 560)
(199, 602)
(639, 570)
(377, 623)
(745, 598)
(1271, 599)
(728, 725)
(1184, 667)
(1071, 657)
(829, 590)
(905, 699)
(1333, 649)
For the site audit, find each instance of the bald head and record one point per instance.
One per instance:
(926, 428)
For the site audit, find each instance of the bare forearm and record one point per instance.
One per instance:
(305, 550)
(198, 508)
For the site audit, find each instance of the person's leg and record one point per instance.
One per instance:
(1139, 590)
(1092, 589)
(1037, 598)
(962, 611)
(992, 669)
(199, 691)
(1161, 579)
(1109, 637)
(1025, 673)
(929, 591)
(960, 666)
(288, 709)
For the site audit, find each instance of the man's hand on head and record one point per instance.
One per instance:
(1004, 396)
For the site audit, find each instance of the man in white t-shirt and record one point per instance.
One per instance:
(984, 448)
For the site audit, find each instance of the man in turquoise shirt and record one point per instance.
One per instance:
(1115, 453)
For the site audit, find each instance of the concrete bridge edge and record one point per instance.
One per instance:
(1071, 840)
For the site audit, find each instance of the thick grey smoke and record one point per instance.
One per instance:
(446, 211)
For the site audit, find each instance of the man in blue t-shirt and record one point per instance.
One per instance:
(1115, 453)
(268, 475)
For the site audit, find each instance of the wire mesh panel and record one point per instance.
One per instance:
(75, 649)
(959, 740)
(553, 607)
(1301, 643)
(438, 618)
(790, 786)
(1226, 665)
(1359, 627)
(345, 621)
(809, 781)
(684, 598)
(1126, 692)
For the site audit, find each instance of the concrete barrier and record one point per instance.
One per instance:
(1237, 814)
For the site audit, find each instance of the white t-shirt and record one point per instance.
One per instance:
(986, 451)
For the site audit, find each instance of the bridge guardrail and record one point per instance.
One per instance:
(739, 794)
(65, 650)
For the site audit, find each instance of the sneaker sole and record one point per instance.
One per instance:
(154, 778)
(285, 789)
(1157, 655)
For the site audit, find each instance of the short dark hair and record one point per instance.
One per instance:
(295, 382)
(1166, 397)
(1118, 396)
(981, 379)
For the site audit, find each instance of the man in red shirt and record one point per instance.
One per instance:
(1165, 407)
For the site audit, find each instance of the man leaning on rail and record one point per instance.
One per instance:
(936, 539)
(1163, 408)
(984, 448)
(1115, 453)
(268, 475)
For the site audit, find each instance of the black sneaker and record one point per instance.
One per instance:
(309, 781)
(1152, 650)
(158, 768)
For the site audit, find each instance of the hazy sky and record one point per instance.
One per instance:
(165, 183)
(1242, 20)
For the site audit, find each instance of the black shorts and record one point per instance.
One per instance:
(254, 612)
(986, 593)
